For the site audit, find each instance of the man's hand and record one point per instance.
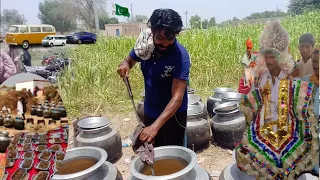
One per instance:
(123, 69)
(148, 134)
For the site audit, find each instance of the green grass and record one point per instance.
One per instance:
(215, 55)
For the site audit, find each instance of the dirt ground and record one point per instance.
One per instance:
(214, 159)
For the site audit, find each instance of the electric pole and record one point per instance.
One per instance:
(186, 13)
(96, 17)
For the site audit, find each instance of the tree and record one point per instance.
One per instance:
(266, 14)
(105, 19)
(10, 17)
(141, 18)
(195, 22)
(83, 9)
(300, 6)
(57, 13)
(212, 22)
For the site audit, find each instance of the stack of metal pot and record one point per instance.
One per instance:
(211, 101)
(100, 170)
(198, 128)
(192, 170)
(228, 123)
(96, 131)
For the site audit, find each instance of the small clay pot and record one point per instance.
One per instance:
(46, 112)
(8, 122)
(33, 111)
(18, 123)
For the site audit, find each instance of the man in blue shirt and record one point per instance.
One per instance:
(166, 74)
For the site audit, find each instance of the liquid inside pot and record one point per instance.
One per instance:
(165, 167)
(76, 165)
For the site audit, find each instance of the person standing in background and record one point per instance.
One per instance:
(304, 66)
(20, 107)
(26, 57)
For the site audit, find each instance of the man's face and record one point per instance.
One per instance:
(315, 64)
(305, 50)
(271, 61)
(161, 42)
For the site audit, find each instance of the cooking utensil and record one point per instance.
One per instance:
(126, 80)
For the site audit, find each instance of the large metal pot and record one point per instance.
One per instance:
(101, 170)
(140, 110)
(198, 129)
(33, 111)
(196, 100)
(95, 131)
(232, 172)
(8, 122)
(191, 172)
(216, 98)
(39, 110)
(4, 141)
(18, 123)
(228, 125)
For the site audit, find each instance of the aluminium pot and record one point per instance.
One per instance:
(196, 100)
(198, 128)
(216, 98)
(232, 172)
(33, 111)
(95, 131)
(228, 128)
(4, 141)
(191, 172)
(100, 170)
(8, 122)
(46, 112)
(18, 123)
(39, 110)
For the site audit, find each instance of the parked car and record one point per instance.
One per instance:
(54, 40)
(81, 37)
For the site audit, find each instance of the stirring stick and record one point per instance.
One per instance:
(152, 169)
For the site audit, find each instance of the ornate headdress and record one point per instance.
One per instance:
(275, 39)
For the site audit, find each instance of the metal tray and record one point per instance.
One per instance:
(36, 175)
(31, 148)
(26, 175)
(45, 169)
(32, 157)
(52, 141)
(17, 156)
(41, 150)
(13, 146)
(226, 107)
(60, 148)
(54, 166)
(39, 155)
(27, 168)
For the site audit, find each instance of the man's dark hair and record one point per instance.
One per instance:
(307, 38)
(166, 19)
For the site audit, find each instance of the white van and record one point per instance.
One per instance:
(54, 40)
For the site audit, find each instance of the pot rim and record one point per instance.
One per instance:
(81, 122)
(4, 133)
(195, 98)
(222, 90)
(94, 130)
(93, 168)
(184, 171)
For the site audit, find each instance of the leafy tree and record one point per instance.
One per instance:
(57, 13)
(10, 17)
(141, 18)
(212, 22)
(195, 22)
(300, 6)
(105, 19)
(266, 14)
(205, 24)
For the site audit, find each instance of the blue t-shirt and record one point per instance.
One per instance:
(158, 77)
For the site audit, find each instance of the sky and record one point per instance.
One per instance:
(222, 10)
(12, 81)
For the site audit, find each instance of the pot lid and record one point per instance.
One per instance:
(191, 90)
(226, 107)
(194, 110)
(231, 96)
(93, 122)
(192, 98)
(222, 90)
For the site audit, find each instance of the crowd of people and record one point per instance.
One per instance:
(12, 62)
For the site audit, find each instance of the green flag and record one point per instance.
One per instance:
(121, 11)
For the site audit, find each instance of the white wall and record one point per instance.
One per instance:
(27, 85)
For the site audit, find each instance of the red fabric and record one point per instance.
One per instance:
(33, 171)
(242, 88)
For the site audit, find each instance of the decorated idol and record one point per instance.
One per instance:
(281, 141)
